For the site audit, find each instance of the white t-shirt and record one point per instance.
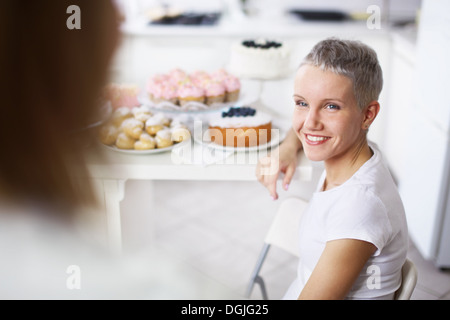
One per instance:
(366, 207)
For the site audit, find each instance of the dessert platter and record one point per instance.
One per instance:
(239, 129)
(146, 119)
(139, 131)
(195, 92)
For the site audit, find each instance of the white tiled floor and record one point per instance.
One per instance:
(219, 228)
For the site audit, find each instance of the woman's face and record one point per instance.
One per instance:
(326, 118)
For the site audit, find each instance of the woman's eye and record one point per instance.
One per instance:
(301, 104)
(333, 107)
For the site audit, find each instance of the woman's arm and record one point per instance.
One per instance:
(283, 159)
(337, 269)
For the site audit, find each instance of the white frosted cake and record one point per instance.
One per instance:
(240, 127)
(260, 59)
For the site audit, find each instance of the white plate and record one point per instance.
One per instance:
(144, 152)
(277, 137)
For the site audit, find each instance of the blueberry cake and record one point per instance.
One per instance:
(260, 59)
(240, 127)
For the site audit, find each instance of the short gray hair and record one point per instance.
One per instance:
(352, 59)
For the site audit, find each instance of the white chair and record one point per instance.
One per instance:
(283, 233)
(409, 280)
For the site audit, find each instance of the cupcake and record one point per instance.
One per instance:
(154, 81)
(164, 92)
(177, 76)
(158, 78)
(219, 75)
(233, 87)
(121, 95)
(190, 92)
(200, 78)
(215, 93)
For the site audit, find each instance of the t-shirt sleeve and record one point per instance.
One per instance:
(360, 215)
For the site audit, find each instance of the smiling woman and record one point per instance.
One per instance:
(340, 102)
(334, 121)
(355, 221)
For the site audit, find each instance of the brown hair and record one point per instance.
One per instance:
(50, 80)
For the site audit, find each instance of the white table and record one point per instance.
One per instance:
(113, 169)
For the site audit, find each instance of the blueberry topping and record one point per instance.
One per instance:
(239, 112)
(265, 45)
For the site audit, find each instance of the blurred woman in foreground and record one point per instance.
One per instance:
(50, 81)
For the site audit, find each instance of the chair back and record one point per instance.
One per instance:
(409, 280)
(283, 232)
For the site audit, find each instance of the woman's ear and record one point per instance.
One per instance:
(370, 112)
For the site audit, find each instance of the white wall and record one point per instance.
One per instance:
(426, 143)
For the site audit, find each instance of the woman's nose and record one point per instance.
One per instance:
(313, 121)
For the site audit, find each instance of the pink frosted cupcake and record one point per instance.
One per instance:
(215, 93)
(233, 86)
(163, 92)
(190, 92)
(219, 75)
(200, 78)
(122, 95)
(177, 76)
(156, 80)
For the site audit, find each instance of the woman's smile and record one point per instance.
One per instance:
(315, 140)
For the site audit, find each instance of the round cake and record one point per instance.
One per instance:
(240, 127)
(260, 59)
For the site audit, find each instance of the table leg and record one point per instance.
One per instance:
(113, 191)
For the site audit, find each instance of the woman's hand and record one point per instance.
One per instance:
(283, 159)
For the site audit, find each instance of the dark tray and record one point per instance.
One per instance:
(190, 19)
(320, 15)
